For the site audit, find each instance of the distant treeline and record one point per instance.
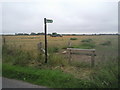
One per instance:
(54, 34)
(30, 33)
(86, 34)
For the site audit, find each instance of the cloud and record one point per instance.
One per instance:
(68, 17)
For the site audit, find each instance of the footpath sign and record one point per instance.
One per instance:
(46, 21)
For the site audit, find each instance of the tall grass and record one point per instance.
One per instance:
(103, 75)
(106, 74)
(16, 56)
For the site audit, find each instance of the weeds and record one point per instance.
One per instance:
(106, 43)
(53, 50)
(86, 40)
(15, 56)
(106, 74)
(73, 38)
(50, 78)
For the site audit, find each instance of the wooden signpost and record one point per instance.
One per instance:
(45, 24)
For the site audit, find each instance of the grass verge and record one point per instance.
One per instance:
(49, 78)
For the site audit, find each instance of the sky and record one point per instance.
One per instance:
(69, 16)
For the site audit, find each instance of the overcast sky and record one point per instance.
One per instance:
(73, 16)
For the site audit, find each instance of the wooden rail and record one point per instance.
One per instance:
(80, 49)
(86, 50)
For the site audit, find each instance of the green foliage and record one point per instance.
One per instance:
(22, 58)
(15, 56)
(50, 78)
(106, 74)
(86, 40)
(106, 43)
(40, 58)
(87, 45)
(73, 38)
(53, 50)
(57, 60)
(81, 64)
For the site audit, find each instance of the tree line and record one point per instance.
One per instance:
(54, 34)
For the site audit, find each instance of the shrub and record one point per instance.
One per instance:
(86, 40)
(87, 45)
(22, 58)
(55, 60)
(73, 38)
(16, 56)
(106, 43)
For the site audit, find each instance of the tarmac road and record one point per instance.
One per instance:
(12, 83)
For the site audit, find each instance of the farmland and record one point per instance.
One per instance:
(23, 51)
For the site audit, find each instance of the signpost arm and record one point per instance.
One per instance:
(45, 40)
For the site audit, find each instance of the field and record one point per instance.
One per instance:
(23, 51)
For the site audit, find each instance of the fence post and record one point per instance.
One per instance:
(93, 59)
(69, 44)
(39, 46)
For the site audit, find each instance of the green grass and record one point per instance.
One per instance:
(103, 75)
(106, 43)
(16, 56)
(86, 40)
(73, 38)
(85, 46)
(45, 77)
(106, 74)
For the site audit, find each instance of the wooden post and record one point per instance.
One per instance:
(93, 59)
(45, 41)
(69, 44)
(39, 46)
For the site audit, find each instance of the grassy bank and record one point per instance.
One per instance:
(45, 77)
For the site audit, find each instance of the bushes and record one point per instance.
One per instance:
(16, 56)
(53, 50)
(86, 40)
(57, 60)
(86, 44)
(106, 43)
(22, 58)
(73, 38)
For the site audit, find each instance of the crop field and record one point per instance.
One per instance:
(23, 51)
(106, 45)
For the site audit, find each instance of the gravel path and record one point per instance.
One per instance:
(12, 83)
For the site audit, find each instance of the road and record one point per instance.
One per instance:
(12, 83)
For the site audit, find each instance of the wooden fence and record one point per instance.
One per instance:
(92, 54)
